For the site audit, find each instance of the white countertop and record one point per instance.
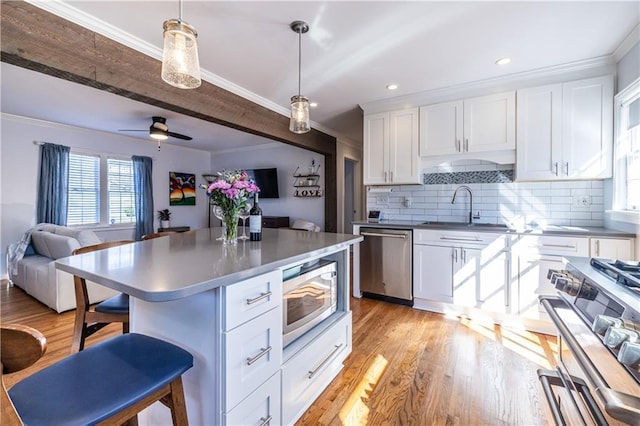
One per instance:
(184, 264)
(478, 227)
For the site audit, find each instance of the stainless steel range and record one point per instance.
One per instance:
(597, 315)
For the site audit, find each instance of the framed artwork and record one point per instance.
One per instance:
(182, 189)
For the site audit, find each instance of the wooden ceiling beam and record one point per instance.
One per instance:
(41, 41)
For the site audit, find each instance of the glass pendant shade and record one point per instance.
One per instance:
(299, 115)
(180, 63)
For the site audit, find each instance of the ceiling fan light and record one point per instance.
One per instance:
(180, 63)
(299, 115)
(158, 134)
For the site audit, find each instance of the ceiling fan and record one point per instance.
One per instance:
(159, 130)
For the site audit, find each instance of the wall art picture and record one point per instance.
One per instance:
(182, 189)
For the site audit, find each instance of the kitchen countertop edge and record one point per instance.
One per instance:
(557, 230)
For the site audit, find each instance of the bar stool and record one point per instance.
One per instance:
(111, 381)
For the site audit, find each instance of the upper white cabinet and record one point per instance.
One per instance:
(391, 148)
(482, 124)
(565, 130)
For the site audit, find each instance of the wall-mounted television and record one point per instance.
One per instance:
(267, 181)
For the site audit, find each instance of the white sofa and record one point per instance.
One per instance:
(37, 275)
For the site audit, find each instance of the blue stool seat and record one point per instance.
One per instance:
(118, 304)
(92, 385)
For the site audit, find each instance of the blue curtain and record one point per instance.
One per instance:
(143, 188)
(52, 184)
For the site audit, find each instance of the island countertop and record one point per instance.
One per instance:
(184, 264)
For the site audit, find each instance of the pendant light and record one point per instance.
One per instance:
(299, 104)
(180, 63)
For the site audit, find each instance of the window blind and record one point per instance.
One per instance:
(120, 191)
(83, 206)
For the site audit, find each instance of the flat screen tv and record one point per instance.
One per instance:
(267, 181)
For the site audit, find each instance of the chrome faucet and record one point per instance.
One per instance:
(453, 200)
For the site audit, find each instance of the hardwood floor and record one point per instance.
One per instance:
(408, 367)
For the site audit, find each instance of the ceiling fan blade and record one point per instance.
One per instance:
(179, 136)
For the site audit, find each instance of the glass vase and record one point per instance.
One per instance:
(230, 227)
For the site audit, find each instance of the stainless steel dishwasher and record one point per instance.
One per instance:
(385, 265)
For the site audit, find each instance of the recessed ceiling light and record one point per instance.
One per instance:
(392, 86)
(503, 61)
(313, 104)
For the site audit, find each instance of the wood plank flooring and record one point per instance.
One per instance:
(408, 367)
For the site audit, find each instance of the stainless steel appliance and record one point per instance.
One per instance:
(597, 315)
(385, 265)
(310, 294)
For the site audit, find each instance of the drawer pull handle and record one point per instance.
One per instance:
(326, 360)
(259, 298)
(459, 239)
(263, 352)
(266, 421)
(557, 246)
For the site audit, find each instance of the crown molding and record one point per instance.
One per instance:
(70, 13)
(462, 90)
(627, 44)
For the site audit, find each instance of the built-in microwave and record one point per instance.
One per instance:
(309, 296)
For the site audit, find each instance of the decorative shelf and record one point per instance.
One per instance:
(306, 184)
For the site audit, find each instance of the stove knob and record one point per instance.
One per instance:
(552, 272)
(615, 336)
(629, 354)
(603, 322)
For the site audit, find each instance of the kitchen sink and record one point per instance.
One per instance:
(466, 225)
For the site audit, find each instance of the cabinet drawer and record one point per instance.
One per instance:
(261, 407)
(250, 298)
(545, 244)
(457, 238)
(307, 373)
(252, 354)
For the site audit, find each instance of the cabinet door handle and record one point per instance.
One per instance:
(555, 165)
(464, 256)
(466, 145)
(385, 176)
(263, 352)
(266, 420)
(459, 239)
(455, 255)
(259, 298)
(391, 174)
(326, 360)
(597, 247)
(458, 145)
(566, 168)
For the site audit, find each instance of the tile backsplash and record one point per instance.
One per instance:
(567, 203)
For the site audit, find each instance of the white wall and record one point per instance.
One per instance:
(285, 158)
(19, 165)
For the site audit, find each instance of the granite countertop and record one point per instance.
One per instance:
(184, 264)
(479, 227)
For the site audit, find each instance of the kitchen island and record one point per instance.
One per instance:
(224, 305)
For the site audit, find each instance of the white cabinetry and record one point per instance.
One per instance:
(611, 248)
(473, 125)
(535, 256)
(565, 130)
(462, 268)
(391, 148)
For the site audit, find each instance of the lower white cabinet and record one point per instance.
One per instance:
(309, 371)
(433, 273)
(261, 407)
(461, 268)
(252, 354)
(611, 248)
(536, 255)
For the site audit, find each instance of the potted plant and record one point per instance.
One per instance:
(164, 216)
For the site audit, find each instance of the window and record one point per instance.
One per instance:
(627, 150)
(100, 190)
